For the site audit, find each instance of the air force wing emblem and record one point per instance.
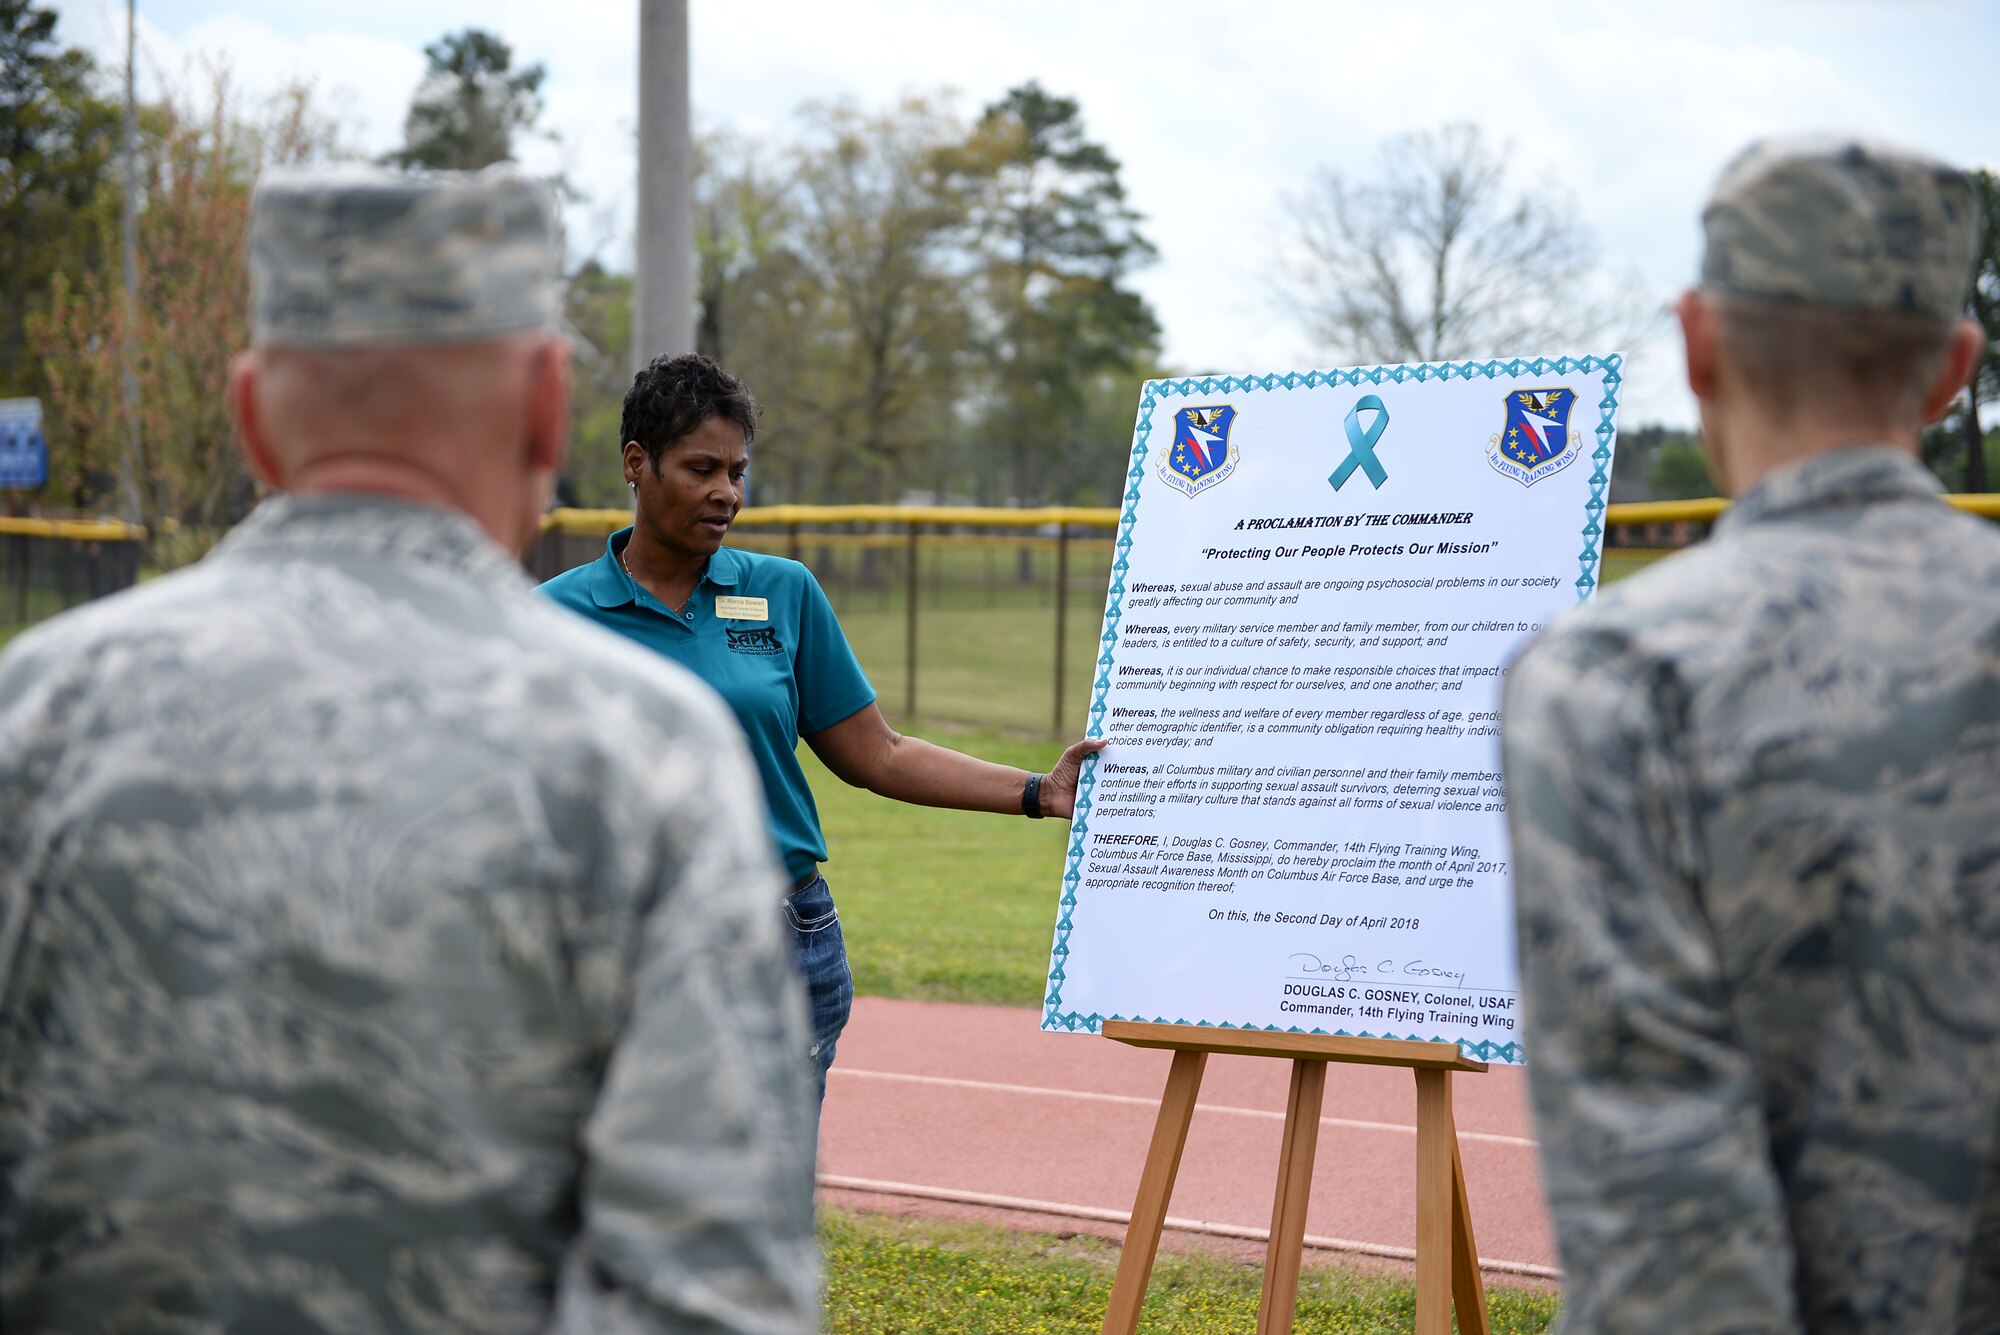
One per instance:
(1536, 439)
(1201, 454)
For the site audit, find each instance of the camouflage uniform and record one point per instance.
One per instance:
(1755, 805)
(383, 949)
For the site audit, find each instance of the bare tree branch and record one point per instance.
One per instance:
(1440, 255)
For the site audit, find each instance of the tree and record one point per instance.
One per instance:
(1632, 466)
(1680, 471)
(745, 221)
(198, 162)
(58, 179)
(1947, 452)
(1958, 448)
(1984, 307)
(1441, 256)
(470, 105)
(774, 314)
(920, 305)
(598, 305)
(874, 320)
(1052, 241)
(745, 224)
(824, 282)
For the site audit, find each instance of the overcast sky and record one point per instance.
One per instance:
(1218, 110)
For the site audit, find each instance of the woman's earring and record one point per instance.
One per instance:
(634, 486)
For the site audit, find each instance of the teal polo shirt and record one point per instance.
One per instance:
(787, 673)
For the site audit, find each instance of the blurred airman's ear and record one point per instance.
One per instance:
(548, 405)
(247, 416)
(1696, 311)
(1968, 345)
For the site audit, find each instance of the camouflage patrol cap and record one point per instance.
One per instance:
(353, 256)
(1842, 222)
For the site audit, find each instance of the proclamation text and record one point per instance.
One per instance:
(1321, 580)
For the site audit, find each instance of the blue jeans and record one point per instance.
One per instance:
(820, 952)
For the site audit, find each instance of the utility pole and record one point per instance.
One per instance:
(128, 463)
(663, 260)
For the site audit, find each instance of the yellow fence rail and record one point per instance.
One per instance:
(603, 522)
(72, 530)
(1986, 504)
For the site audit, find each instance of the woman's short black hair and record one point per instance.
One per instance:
(674, 395)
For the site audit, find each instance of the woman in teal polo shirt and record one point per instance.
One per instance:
(759, 630)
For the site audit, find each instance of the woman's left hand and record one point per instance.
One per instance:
(1059, 784)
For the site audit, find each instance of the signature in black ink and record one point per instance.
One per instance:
(1345, 971)
(1348, 968)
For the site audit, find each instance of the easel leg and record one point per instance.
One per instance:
(1156, 1186)
(1434, 1202)
(1468, 1286)
(1288, 1210)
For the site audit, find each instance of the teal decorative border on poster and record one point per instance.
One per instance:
(1612, 365)
(1600, 475)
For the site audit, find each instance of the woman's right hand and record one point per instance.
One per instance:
(1059, 784)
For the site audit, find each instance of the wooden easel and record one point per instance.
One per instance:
(1447, 1262)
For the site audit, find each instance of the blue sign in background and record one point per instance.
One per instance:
(24, 454)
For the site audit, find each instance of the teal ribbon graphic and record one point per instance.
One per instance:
(1361, 444)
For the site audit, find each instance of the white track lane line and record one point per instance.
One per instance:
(1061, 1210)
(1134, 1101)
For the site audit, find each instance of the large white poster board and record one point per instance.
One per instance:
(1320, 578)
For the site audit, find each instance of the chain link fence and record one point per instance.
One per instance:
(49, 565)
(983, 618)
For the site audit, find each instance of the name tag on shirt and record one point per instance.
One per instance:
(731, 608)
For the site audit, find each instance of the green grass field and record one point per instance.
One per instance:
(19, 610)
(944, 905)
(893, 1276)
(1622, 561)
(986, 630)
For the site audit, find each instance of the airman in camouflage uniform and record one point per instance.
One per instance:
(383, 949)
(1755, 806)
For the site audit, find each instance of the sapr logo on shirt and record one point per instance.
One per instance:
(763, 640)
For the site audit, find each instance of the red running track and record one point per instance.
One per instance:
(974, 1105)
